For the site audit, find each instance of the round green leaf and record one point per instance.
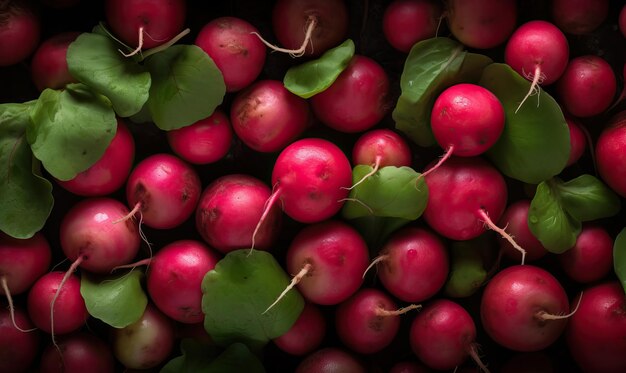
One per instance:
(586, 198)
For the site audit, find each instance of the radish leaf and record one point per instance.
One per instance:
(619, 257)
(587, 198)
(202, 357)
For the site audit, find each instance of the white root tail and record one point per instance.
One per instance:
(543, 315)
(444, 158)
(376, 260)
(400, 311)
(67, 275)
(374, 170)
(311, 23)
(473, 353)
(485, 218)
(537, 78)
(294, 281)
(7, 292)
(267, 207)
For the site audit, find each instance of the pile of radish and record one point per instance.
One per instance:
(313, 186)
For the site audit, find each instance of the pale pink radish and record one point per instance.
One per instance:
(78, 352)
(443, 336)
(357, 100)
(306, 334)
(48, 66)
(578, 140)
(610, 152)
(406, 22)
(330, 360)
(237, 52)
(267, 117)
(579, 17)
(205, 141)
(481, 24)
(18, 350)
(591, 258)
(515, 219)
(20, 30)
(110, 172)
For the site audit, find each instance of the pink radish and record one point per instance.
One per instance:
(578, 140)
(482, 24)
(443, 335)
(610, 152)
(267, 117)
(110, 172)
(237, 52)
(595, 333)
(49, 66)
(164, 190)
(524, 308)
(205, 141)
(330, 360)
(78, 352)
(579, 17)
(591, 258)
(306, 334)
(229, 210)
(19, 32)
(405, 22)
(515, 219)
(18, 350)
(357, 100)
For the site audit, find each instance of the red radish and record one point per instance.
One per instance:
(205, 141)
(110, 172)
(18, 350)
(330, 360)
(174, 279)
(578, 140)
(587, 87)
(539, 52)
(267, 117)
(579, 17)
(524, 308)
(368, 321)
(409, 367)
(146, 343)
(357, 100)
(443, 335)
(596, 333)
(515, 219)
(482, 24)
(306, 334)
(19, 32)
(164, 190)
(145, 24)
(413, 264)
(91, 239)
(591, 258)
(622, 20)
(237, 52)
(77, 352)
(49, 66)
(380, 148)
(405, 22)
(55, 304)
(229, 210)
(611, 153)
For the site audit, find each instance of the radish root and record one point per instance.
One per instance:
(139, 45)
(67, 275)
(537, 78)
(267, 207)
(543, 315)
(485, 217)
(132, 266)
(294, 281)
(371, 211)
(444, 158)
(473, 353)
(311, 23)
(400, 311)
(376, 260)
(375, 167)
(5, 287)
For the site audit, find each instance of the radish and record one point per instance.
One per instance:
(174, 279)
(78, 352)
(587, 87)
(539, 52)
(591, 258)
(164, 190)
(578, 140)
(18, 350)
(579, 17)
(330, 360)
(443, 336)
(205, 141)
(622, 20)
(49, 67)
(229, 210)
(413, 264)
(524, 308)
(110, 172)
(19, 32)
(405, 22)
(357, 100)
(515, 219)
(596, 333)
(306, 334)
(267, 117)
(368, 321)
(610, 153)
(482, 24)
(237, 52)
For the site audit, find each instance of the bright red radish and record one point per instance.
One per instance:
(229, 210)
(164, 190)
(110, 172)
(413, 264)
(515, 219)
(330, 360)
(587, 87)
(596, 333)
(610, 153)
(18, 350)
(267, 117)
(482, 24)
(579, 17)
(49, 66)
(237, 52)
(205, 141)
(19, 32)
(357, 100)
(591, 258)
(174, 279)
(306, 334)
(524, 308)
(443, 335)
(578, 140)
(91, 238)
(405, 22)
(77, 352)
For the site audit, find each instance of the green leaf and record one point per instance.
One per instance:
(619, 257)
(553, 226)
(313, 77)
(534, 145)
(94, 59)
(186, 86)
(25, 196)
(196, 358)
(118, 300)
(236, 358)
(237, 292)
(69, 130)
(467, 272)
(587, 198)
